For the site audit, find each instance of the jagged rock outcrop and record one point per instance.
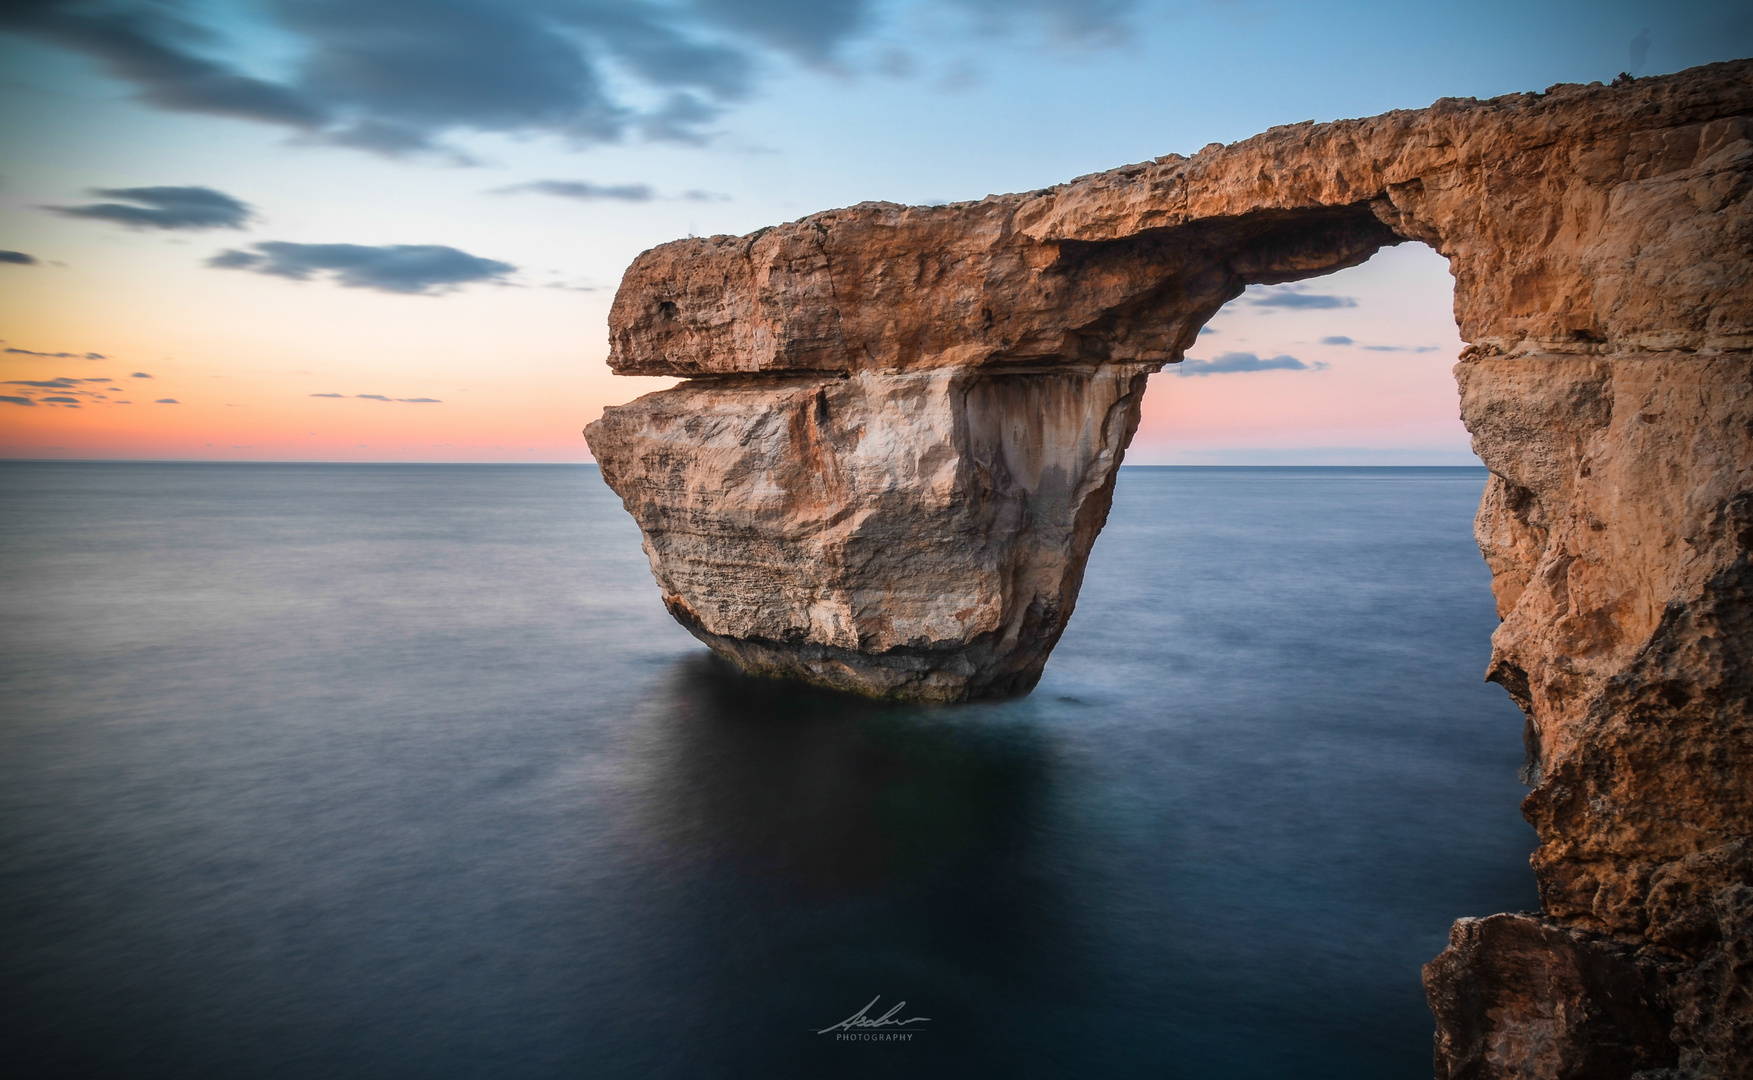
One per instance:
(901, 425)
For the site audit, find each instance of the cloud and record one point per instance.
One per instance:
(16, 400)
(393, 76)
(47, 384)
(681, 120)
(418, 67)
(1287, 298)
(61, 400)
(1077, 23)
(1336, 339)
(1232, 362)
(1400, 348)
(409, 269)
(397, 77)
(588, 191)
(808, 29)
(381, 397)
(18, 257)
(583, 189)
(154, 47)
(164, 208)
(139, 375)
(167, 401)
(58, 355)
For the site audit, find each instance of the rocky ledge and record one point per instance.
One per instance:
(900, 427)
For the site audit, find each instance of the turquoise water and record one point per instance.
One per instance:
(368, 771)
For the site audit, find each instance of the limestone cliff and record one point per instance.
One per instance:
(901, 425)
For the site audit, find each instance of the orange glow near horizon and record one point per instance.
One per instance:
(305, 371)
(509, 374)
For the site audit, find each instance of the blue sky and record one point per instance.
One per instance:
(267, 204)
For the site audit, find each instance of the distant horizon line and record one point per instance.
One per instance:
(594, 465)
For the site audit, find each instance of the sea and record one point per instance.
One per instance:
(403, 771)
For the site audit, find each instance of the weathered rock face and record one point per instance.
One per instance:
(1517, 996)
(900, 430)
(917, 534)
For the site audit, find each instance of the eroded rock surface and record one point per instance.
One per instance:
(901, 425)
(913, 534)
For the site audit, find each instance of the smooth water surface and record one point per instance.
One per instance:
(380, 771)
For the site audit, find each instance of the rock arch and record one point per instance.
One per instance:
(900, 429)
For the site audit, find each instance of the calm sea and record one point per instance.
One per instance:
(385, 771)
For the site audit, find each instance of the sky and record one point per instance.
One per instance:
(390, 230)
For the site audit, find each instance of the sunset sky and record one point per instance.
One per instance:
(390, 230)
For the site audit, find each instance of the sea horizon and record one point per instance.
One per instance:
(594, 465)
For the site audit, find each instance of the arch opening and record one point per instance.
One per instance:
(1350, 367)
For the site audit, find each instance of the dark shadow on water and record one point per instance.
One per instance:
(833, 795)
(814, 850)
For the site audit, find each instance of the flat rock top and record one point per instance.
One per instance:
(1516, 190)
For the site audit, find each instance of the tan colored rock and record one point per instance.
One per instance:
(917, 534)
(901, 428)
